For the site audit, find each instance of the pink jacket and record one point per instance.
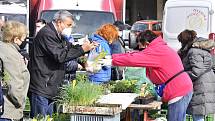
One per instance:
(161, 64)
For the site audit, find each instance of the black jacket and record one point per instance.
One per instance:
(48, 56)
(71, 68)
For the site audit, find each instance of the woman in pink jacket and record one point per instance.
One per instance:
(163, 66)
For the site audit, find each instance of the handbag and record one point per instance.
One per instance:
(159, 88)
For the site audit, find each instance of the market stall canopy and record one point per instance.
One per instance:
(13, 1)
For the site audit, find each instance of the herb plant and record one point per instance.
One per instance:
(80, 93)
(124, 86)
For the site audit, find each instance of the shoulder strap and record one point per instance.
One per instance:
(121, 41)
(173, 77)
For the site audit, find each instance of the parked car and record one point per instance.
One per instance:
(142, 25)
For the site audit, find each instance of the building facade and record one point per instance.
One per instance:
(143, 9)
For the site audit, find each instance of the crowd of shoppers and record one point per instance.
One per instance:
(186, 88)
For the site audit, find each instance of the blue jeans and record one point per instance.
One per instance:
(198, 117)
(40, 106)
(177, 110)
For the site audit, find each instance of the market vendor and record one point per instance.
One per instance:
(163, 67)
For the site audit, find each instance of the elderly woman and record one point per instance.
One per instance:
(16, 72)
(197, 61)
(105, 35)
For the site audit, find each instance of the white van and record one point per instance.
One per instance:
(179, 15)
(14, 10)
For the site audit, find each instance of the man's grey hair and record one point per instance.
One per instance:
(62, 15)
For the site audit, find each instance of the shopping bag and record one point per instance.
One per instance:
(159, 89)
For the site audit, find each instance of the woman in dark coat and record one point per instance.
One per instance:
(197, 61)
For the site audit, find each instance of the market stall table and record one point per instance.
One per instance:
(154, 105)
(107, 108)
(123, 99)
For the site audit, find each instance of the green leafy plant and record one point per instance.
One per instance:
(101, 55)
(82, 59)
(80, 93)
(124, 86)
(93, 64)
(42, 118)
(6, 78)
(147, 89)
(61, 117)
(81, 77)
(55, 117)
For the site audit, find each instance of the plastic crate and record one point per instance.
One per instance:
(189, 118)
(27, 105)
(207, 118)
(79, 117)
(26, 111)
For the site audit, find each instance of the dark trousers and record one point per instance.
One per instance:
(4, 119)
(40, 106)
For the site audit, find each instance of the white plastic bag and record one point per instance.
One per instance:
(93, 64)
(161, 119)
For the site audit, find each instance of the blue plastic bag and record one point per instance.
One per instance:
(159, 89)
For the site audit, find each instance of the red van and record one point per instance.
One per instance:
(142, 25)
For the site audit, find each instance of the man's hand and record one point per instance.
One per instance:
(87, 45)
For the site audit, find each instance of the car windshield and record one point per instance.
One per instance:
(15, 17)
(139, 27)
(86, 22)
(157, 26)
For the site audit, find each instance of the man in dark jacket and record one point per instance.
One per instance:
(47, 59)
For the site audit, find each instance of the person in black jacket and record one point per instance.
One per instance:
(71, 66)
(47, 59)
(118, 47)
(40, 23)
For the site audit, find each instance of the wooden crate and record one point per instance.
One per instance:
(108, 109)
